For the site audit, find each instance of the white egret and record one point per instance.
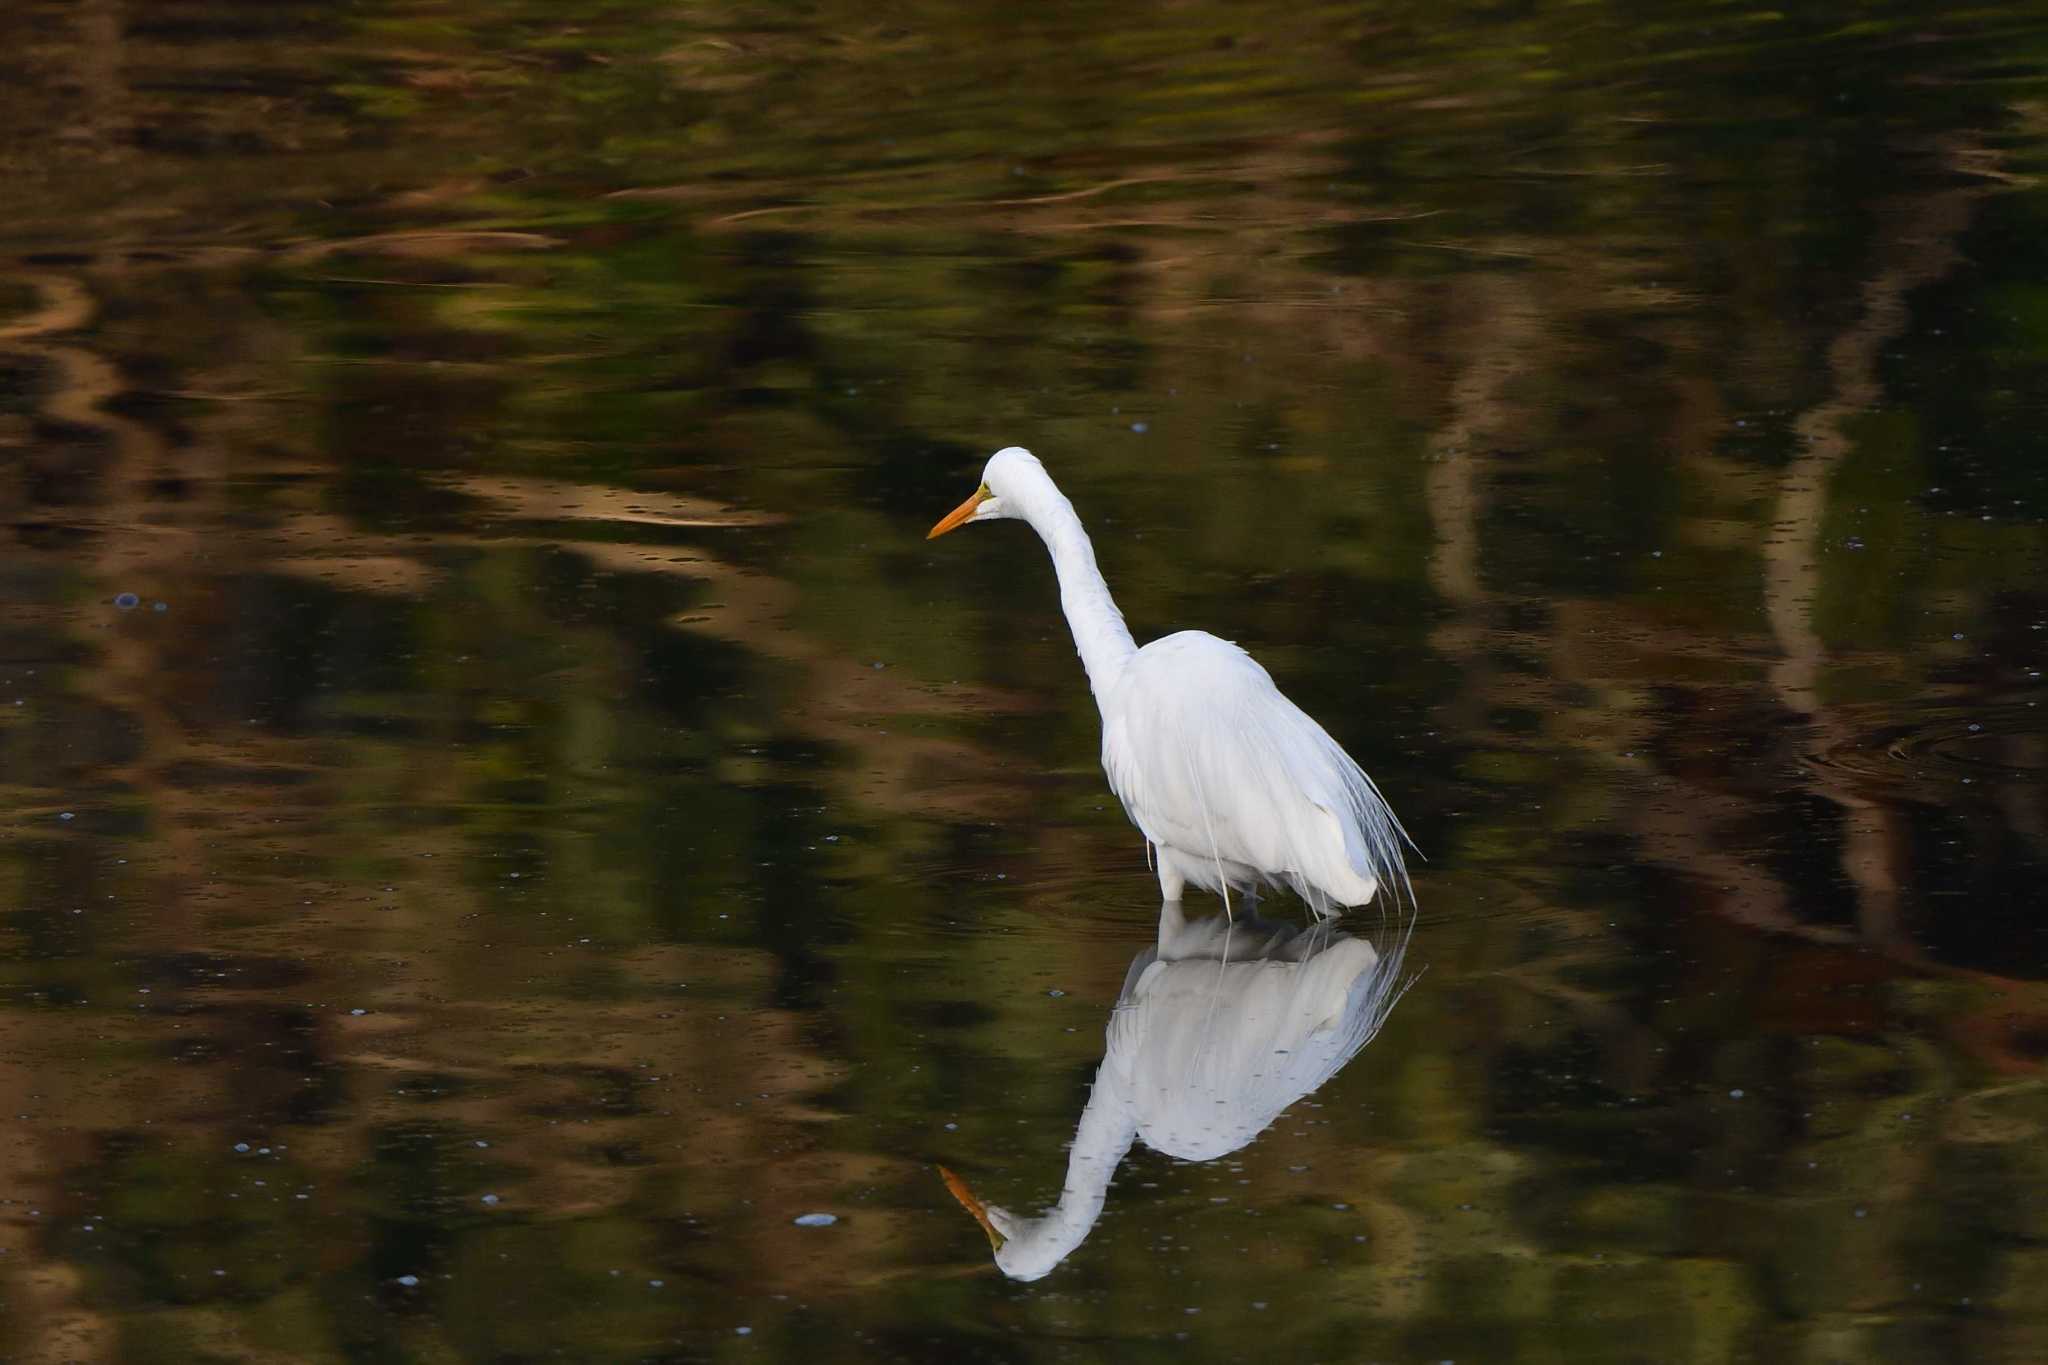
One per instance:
(1218, 1029)
(1233, 784)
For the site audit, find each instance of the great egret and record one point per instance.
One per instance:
(1218, 1028)
(1233, 784)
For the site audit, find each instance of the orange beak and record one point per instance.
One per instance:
(970, 1203)
(958, 516)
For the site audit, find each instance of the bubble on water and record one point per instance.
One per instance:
(1141, 427)
(1735, 1094)
(241, 1146)
(127, 601)
(816, 1220)
(159, 606)
(66, 815)
(408, 1280)
(358, 1011)
(490, 1199)
(1057, 994)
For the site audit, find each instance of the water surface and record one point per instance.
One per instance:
(503, 814)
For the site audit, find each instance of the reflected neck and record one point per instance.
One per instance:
(1108, 1128)
(1100, 636)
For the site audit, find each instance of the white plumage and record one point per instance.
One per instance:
(1218, 1030)
(1231, 783)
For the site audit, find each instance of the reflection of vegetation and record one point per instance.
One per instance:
(527, 415)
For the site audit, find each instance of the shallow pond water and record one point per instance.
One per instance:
(513, 846)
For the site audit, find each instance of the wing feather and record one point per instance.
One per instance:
(1210, 758)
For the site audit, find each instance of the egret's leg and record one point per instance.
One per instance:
(1172, 920)
(1171, 883)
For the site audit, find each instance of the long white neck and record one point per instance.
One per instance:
(1108, 1127)
(1100, 635)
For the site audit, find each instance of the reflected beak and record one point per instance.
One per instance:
(955, 518)
(959, 1186)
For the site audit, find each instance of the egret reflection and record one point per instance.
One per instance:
(1219, 1027)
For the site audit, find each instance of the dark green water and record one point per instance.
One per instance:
(564, 823)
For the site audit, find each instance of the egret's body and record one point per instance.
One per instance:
(1231, 783)
(1218, 1029)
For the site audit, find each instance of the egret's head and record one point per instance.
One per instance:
(1023, 1249)
(1007, 481)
